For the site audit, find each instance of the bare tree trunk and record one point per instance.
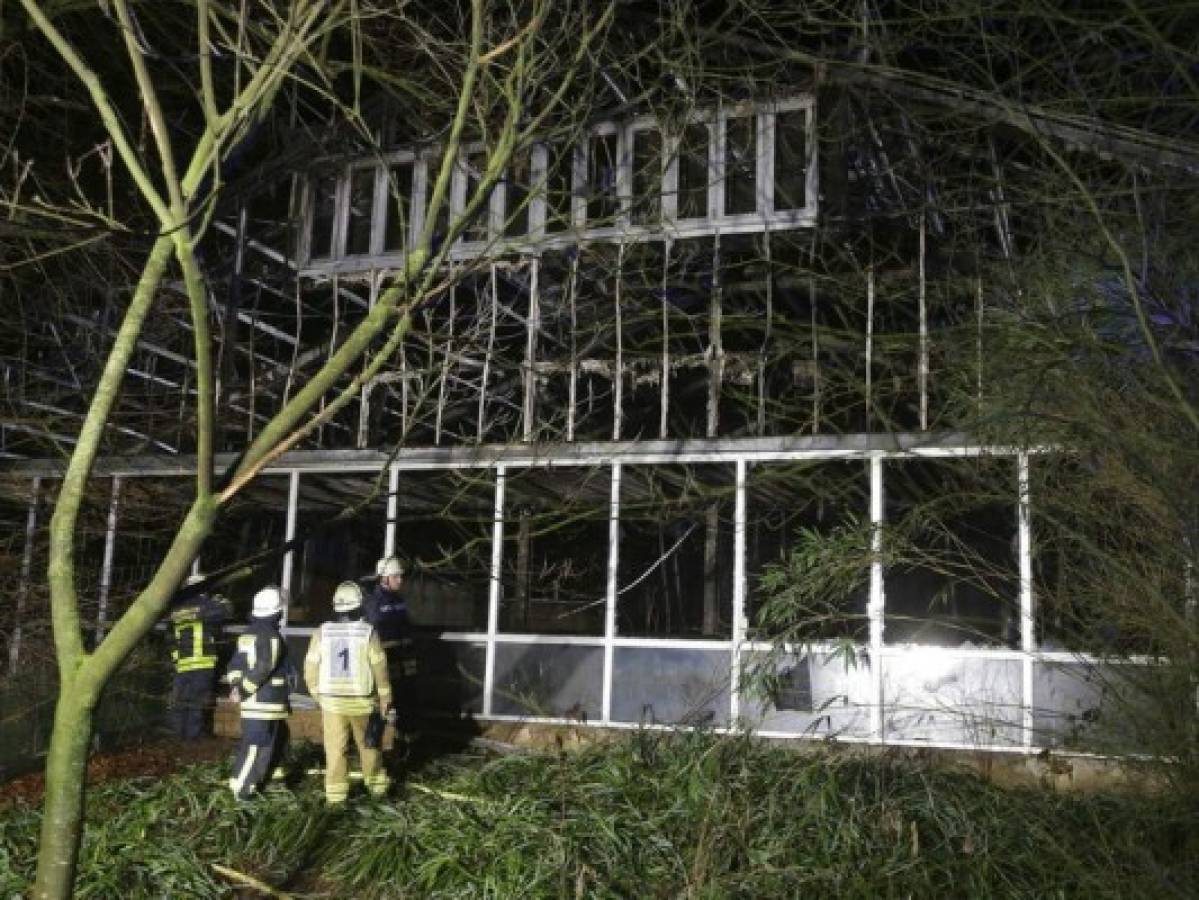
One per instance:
(62, 814)
(83, 678)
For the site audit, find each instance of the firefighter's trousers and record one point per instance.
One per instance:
(259, 756)
(192, 699)
(338, 727)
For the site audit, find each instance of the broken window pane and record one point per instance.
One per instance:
(438, 225)
(398, 208)
(246, 544)
(675, 577)
(694, 145)
(656, 686)
(790, 159)
(324, 211)
(443, 533)
(952, 573)
(518, 186)
(603, 166)
(473, 168)
(1102, 583)
(548, 681)
(740, 165)
(559, 192)
(149, 513)
(555, 551)
(449, 674)
(335, 549)
(647, 178)
(362, 203)
(807, 548)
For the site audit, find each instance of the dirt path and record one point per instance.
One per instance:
(153, 758)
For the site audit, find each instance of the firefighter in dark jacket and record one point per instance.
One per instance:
(387, 611)
(195, 628)
(258, 674)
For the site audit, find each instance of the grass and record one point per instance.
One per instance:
(656, 815)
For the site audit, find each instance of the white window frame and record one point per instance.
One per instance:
(383, 203)
(763, 218)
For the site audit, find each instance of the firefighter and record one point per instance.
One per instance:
(258, 674)
(346, 670)
(387, 611)
(195, 627)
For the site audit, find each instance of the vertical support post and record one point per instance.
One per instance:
(869, 345)
(1192, 619)
(110, 539)
(364, 393)
(739, 618)
(816, 385)
(403, 390)
(711, 619)
(618, 374)
(715, 346)
(229, 340)
(877, 607)
(445, 359)
(1027, 617)
(610, 604)
(664, 387)
(768, 334)
(573, 387)
(334, 335)
(14, 647)
(393, 502)
(524, 546)
(289, 534)
(495, 302)
(532, 326)
(922, 366)
(978, 341)
(493, 589)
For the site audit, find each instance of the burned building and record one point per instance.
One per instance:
(676, 349)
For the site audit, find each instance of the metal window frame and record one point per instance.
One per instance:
(738, 644)
(763, 219)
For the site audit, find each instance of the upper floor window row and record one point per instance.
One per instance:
(740, 168)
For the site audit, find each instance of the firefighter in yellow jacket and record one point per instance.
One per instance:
(346, 671)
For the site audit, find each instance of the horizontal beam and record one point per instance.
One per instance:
(486, 456)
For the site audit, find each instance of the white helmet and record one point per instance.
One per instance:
(389, 565)
(267, 602)
(347, 597)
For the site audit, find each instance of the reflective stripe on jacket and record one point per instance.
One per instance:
(345, 668)
(190, 640)
(196, 628)
(259, 672)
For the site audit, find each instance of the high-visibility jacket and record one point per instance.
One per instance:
(196, 628)
(259, 671)
(346, 668)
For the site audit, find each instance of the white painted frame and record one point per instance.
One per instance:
(738, 643)
(763, 218)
